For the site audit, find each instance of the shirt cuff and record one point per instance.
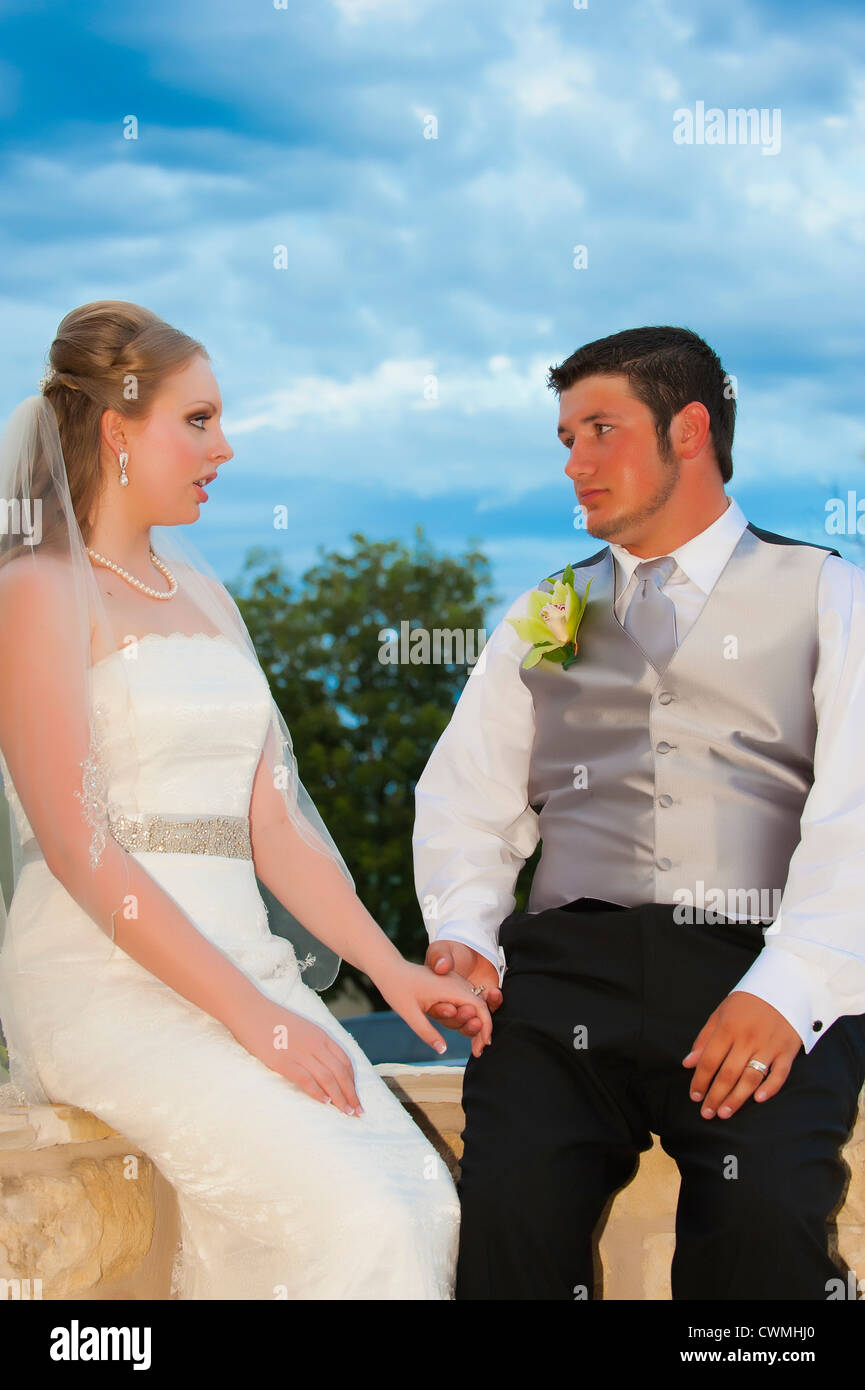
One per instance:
(786, 982)
(467, 937)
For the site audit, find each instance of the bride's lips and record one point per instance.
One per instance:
(202, 495)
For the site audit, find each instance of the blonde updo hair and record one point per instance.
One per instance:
(107, 355)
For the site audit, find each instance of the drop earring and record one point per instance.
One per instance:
(123, 460)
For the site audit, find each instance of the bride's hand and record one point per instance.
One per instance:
(300, 1051)
(413, 990)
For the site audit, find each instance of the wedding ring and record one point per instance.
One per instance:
(758, 1066)
(478, 989)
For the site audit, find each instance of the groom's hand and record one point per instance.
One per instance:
(444, 956)
(743, 1026)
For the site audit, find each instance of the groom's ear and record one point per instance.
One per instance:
(690, 430)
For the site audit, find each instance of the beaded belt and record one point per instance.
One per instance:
(224, 835)
(173, 834)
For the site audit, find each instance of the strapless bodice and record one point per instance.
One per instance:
(198, 717)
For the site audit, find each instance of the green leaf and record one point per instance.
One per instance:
(582, 602)
(572, 610)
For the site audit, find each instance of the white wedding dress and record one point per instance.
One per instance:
(279, 1195)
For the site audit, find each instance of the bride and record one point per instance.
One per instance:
(151, 780)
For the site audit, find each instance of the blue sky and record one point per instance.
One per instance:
(409, 257)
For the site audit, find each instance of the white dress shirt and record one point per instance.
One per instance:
(474, 827)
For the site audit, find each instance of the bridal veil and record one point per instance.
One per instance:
(55, 739)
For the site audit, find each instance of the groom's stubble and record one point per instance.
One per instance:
(628, 525)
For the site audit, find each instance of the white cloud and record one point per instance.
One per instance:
(541, 74)
(396, 387)
(356, 11)
(87, 183)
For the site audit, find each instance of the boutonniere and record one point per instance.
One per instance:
(552, 622)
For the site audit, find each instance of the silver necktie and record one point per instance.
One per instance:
(651, 617)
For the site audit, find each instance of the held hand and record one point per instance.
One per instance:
(445, 956)
(414, 991)
(300, 1051)
(741, 1028)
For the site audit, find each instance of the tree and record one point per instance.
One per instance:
(363, 728)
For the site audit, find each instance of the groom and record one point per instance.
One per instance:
(692, 963)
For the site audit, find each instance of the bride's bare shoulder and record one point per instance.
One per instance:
(35, 592)
(22, 576)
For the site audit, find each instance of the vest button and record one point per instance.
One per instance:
(817, 1025)
(665, 799)
(664, 746)
(664, 698)
(664, 863)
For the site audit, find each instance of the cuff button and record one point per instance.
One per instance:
(817, 1025)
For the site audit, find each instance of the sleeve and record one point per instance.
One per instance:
(812, 966)
(474, 828)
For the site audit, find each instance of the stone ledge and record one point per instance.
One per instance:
(431, 1095)
(91, 1216)
(82, 1210)
(40, 1126)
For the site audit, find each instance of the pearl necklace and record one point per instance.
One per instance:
(130, 578)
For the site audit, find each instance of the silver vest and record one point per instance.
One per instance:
(649, 787)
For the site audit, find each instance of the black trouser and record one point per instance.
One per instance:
(599, 1007)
